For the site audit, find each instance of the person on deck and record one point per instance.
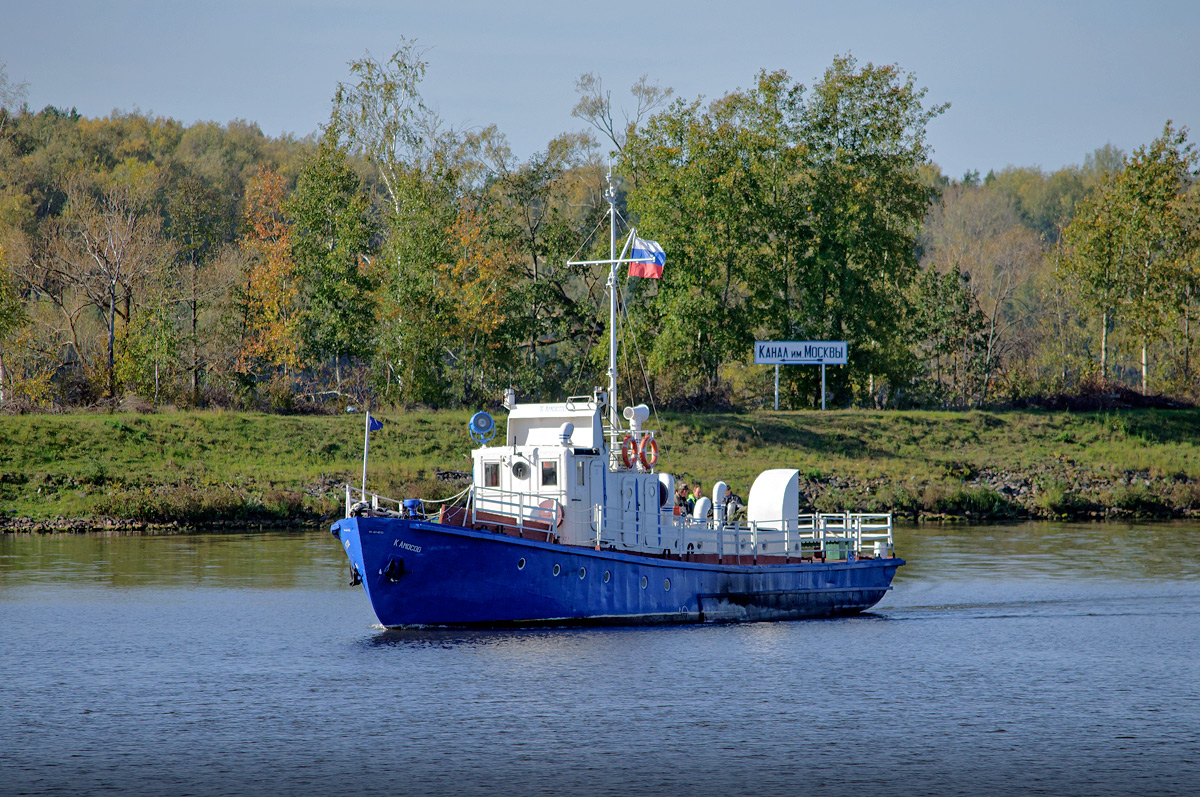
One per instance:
(694, 496)
(735, 508)
(681, 496)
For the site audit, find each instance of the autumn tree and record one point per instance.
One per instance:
(270, 296)
(977, 232)
(481, 293)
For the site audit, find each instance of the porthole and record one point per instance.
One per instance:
(582, 572)
(667, 584)
(557, 570)
(607, 576)
(645, 582)
(521, 563)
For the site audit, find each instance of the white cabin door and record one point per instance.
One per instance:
(629, 528)
(649, 517)
(596, 486)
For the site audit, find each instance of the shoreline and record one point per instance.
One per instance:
(212, 471)
(910, 504)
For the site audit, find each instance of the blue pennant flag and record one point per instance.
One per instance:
(373, 424)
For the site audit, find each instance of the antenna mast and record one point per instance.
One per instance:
(611, 196)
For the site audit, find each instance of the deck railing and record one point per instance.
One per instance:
(358, 499)
(825, 535)
(817, 535)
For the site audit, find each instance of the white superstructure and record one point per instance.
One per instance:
(562, 475)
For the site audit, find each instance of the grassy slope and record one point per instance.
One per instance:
(203, 466)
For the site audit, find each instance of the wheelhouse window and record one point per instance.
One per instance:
(491, 474)
(549, 474)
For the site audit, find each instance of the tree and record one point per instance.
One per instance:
(1153, 185)
(977, 232)
(1094, 260)
(331, 244)
(150, 345)
(865, 128)
(695, 176)
(110, 244)
(542, 209)
(595, 106)
(13, 315)
(195, 221)
(481, 292)
(785, 215)
(1123, 247)
(271, 333)
(948, 327)
(12, 95)
(384, 117)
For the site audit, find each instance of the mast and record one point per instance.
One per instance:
(611, 196)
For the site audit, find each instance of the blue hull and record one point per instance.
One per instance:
(420, 573)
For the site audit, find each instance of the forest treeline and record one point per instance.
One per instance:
(398, 259)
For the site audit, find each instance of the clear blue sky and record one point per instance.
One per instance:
(1030, 83)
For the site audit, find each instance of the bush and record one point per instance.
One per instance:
(1185, 495)
(1137, 499)
(977, 501)
(279, 395)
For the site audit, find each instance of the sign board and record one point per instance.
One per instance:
(801, 352)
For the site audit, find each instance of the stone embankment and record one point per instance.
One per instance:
(1057, 489)
(125, 526)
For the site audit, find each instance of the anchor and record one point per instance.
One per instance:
(393, 571)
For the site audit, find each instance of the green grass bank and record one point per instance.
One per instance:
(206, 469)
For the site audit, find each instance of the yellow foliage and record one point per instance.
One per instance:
(272, 295)
(476, 286)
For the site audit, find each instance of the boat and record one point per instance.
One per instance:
(568, 520)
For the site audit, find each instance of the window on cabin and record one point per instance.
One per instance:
(549, 474)
(580, 470)
(491, 474)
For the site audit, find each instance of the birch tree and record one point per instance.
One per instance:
(110, 243)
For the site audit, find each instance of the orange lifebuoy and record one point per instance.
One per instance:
(629, 450)
(648, 451)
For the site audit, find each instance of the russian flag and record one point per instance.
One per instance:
(648, 259)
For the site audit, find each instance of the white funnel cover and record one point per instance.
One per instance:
(720, 496)
(775, 499)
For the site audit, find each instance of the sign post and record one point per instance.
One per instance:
(801, 352)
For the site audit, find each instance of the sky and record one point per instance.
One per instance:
(1029, 83)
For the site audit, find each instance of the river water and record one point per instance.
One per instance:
(1026, 659)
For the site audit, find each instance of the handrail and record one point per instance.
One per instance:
(815, 535)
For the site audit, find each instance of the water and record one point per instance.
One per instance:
(1031, 659)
